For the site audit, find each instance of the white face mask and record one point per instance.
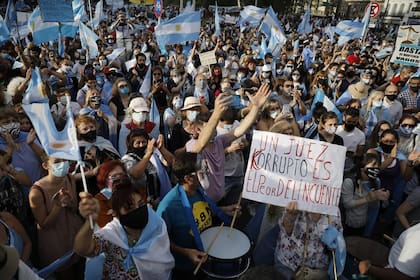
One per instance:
(331, 129)
(295, 77)
(63, 100)
(366, 81)
(177, 103)
(139, 117)
(266, 75)
(377, 103)
(103, 62)
(274, 114)
(176, 79)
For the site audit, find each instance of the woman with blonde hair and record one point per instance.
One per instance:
(120, 98)
(373, 111)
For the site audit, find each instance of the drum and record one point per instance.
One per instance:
(229, 257)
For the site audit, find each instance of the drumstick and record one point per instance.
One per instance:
(209, 247)
(235, 214)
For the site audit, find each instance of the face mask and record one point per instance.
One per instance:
(139, 117)
(140, 151)
(415, 89)
(97, 67)
(331, 130)
(141, 65)
(386, 148)
(366, 81)
(224, 87)
(279, 71)
(60, 169)
(372, 172)
(89, 137)
(274, 114)
(405, 131)
(228, 127)
(377, 104)
(222, 64)
(136, 219)
(95, 100)
(350, 74)
(176, 79)
(349, 126)
(177, 103)
(65, 68)
(192, 115)
(266, 75)
(311, 71)
(332, 73)
(241, 76)
(107, 192)
(391, 97)
(63, 100)
(123, 90)
(12, 128)
(295, 77)
(103, 62)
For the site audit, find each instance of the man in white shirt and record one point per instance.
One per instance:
(393, 105)
(352, 136)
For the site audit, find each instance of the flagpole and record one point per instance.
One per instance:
(90, 12)
(367, 26)
(239, 3)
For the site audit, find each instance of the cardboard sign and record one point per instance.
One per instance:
(208, 58)
(283, 168)
(56, 10)
(407, 46)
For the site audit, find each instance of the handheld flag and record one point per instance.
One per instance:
(276, 41)
(59, 144)
(271, 21)
(185, 27)
(321, 97)
(11, 17)
(217, 22)
(98, 14)
(4, 32)
(147, 82)
(42, 31)
(252, 15)
(88, 40)
(305, 25)
(69, 29)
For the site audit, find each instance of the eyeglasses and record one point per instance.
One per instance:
(95, 64)
(406, 125)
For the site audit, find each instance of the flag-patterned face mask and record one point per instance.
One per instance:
(12, 128)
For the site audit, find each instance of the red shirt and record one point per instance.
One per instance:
(353, 59)
(148, 126)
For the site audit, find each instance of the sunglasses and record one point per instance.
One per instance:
(122, 86)
(407, 125)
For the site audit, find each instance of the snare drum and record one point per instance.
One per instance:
(229, 256)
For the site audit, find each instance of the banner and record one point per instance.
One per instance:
(407, 46)
(208, 58)
(283, 168)
(56, 10)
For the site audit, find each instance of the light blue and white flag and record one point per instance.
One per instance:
(154, 115)
(185, 27)
(276, 41)
(321, 97)
(115, 54)
(270, 21)
(217, 22)
(69, 29)
(329, 31)
(98, 14)
(263, 49)
(252, 15)
(10, 18)
(60, 144)
(88, 40)
(188, 8)
(365, 21)
(147, 83)
(42, 31)
(117, 4)
(348, 30)
(305, 25)
(60, 45)
(4, 31)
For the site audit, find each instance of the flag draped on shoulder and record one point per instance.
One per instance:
(88, 40)
(60, 144)
(305, 25)
(270, 21)
(251, 15)
(42, 31)
(185, 27)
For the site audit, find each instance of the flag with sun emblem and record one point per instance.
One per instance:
(59, 144)
(270, 20)
(185, 27)
(42, 31)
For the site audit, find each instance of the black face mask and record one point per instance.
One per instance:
(386, 148)
(372, 172)
(349, 126)
(136, 219)
(141, 65)
(89, 137)
(391, 97)
(139, 151)
(350, 74)
(415, 89)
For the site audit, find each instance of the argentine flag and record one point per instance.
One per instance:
(321, 97)
(60, 144)
(270, 21)
(185, 27)
(69, 29)
(276, 41)
(252, 15)
(4, 32)
(305, 26)
(217, 22)
(88, 40)
(42, 31)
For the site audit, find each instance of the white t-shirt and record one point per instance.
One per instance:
(351, 139)
(405, 254)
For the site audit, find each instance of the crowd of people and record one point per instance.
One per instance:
(156, 182)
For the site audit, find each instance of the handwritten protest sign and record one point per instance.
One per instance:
(282, 168)
(208, 58)
(56, 10)
(407, 46)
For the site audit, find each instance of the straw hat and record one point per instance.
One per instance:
(358, 90)
(138, 104)
(191, 102)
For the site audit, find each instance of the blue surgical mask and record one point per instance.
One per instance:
(107, 192)
(406, 131)
(123, 90)
(192, 115)
(60, 169)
